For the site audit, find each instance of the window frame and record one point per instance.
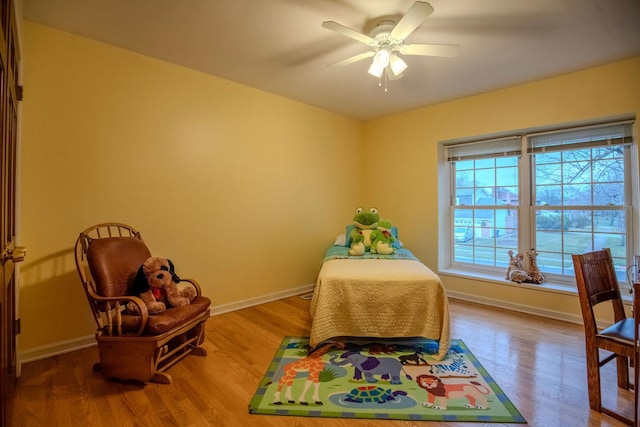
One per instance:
(526, 210)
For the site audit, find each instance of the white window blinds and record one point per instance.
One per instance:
(581, 138)
(509, 146)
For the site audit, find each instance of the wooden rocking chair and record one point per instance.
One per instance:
(134, 347)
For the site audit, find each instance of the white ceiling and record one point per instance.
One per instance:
(279, 46)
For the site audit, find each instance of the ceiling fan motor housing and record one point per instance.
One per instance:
(381, 36)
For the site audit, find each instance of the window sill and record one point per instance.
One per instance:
(551, 287)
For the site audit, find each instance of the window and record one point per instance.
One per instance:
(485, 215)
(561, 192)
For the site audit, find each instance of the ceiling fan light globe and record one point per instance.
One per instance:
(382, 57)
(397, 65)
(376, 69)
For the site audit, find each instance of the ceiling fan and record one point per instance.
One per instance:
(386, 42)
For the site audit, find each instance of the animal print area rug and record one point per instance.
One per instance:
(381, 379)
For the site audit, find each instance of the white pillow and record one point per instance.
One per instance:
(341, 240)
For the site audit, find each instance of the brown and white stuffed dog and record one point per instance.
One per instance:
(157, 284)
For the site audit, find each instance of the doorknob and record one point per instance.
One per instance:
(16, 254)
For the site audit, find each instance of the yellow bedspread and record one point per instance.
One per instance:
(379, 298)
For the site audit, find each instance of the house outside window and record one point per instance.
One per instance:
(560, 192)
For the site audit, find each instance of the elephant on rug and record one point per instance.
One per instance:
(387, 367)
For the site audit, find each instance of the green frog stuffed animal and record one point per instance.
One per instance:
(365, 222)
(381, 238)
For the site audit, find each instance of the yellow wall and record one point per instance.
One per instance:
(408, 144)
(242, 189)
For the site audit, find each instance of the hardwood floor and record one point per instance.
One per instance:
(539, 363)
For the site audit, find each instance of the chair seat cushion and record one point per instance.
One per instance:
(622, 331)
(169, 319)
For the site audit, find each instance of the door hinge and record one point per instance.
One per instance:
(20, 92)
(18, 326)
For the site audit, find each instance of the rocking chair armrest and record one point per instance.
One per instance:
(194, 283)
(122, 301)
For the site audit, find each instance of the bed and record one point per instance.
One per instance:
(378, 296)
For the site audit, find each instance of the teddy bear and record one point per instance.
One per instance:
(515, 272)
(382, 239)
(365, 222)
(157, 284)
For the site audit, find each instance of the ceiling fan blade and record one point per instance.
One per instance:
(446, 50)
(353, 59)
(414, 17)
(346, 31)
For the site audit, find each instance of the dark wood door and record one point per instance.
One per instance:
(10, 93)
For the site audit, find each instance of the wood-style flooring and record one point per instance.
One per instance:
(539, 363)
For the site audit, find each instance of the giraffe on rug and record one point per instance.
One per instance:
(534, 270)
(312, 365)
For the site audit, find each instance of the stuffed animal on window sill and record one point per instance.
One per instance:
(365, 222)
(156, 283)
(534, 271)
(515, 272)
(382, 239)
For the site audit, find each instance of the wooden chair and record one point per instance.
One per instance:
(134, 347)
(636, 330)
(597, 283)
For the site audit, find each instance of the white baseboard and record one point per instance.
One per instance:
(50, 350)
(528, 309)
(67, 346)
(238, 305)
